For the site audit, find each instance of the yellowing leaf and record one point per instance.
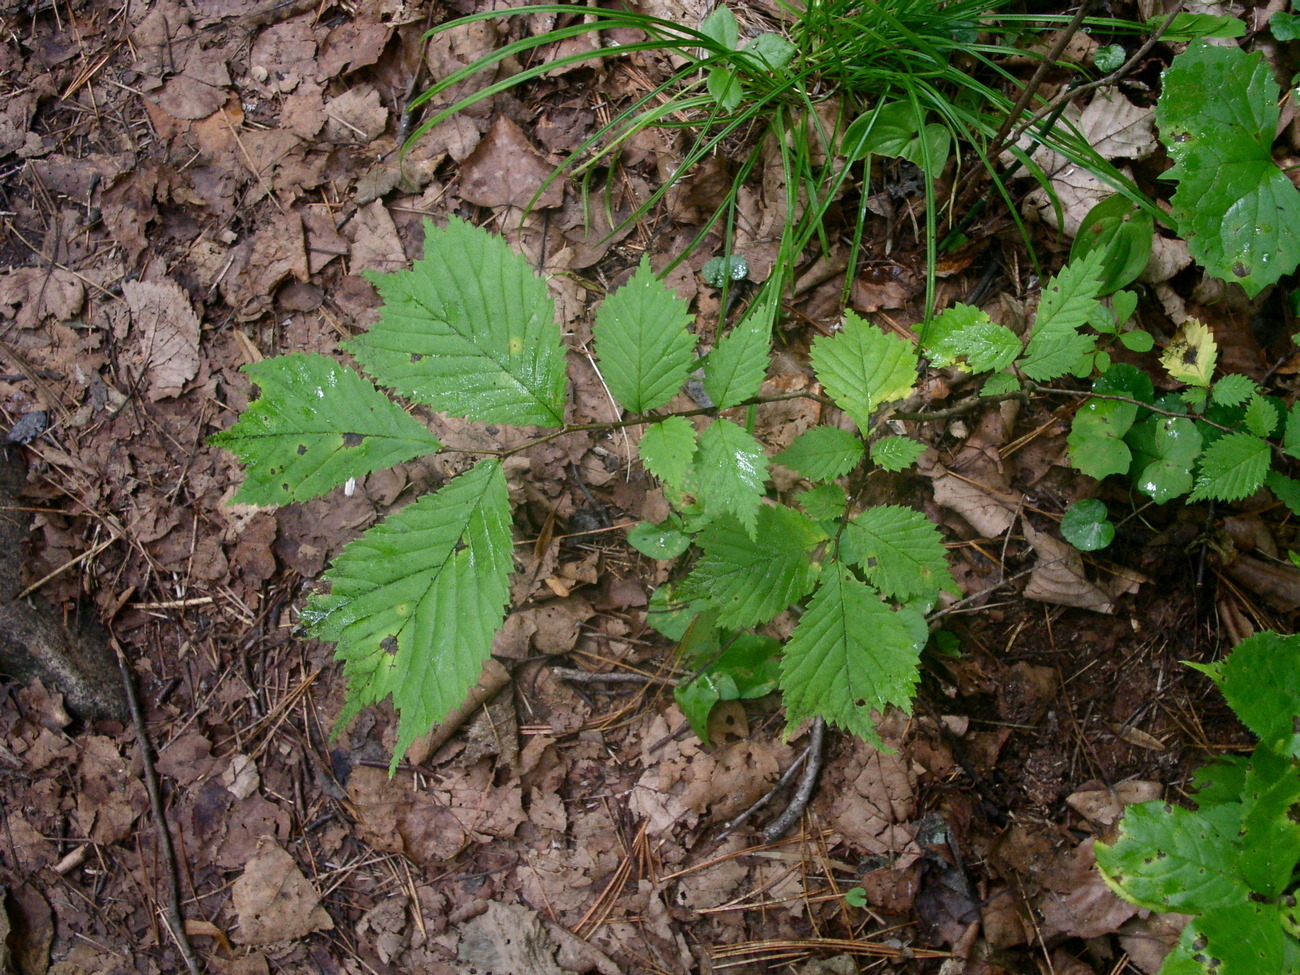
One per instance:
(1191, 356)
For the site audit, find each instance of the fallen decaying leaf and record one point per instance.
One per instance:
(1104, 806)
(273, 901)
(507, 939)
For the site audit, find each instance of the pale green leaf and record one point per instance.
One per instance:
(469, 330)
(863, 368)
(667, 449)
(315, 425)
(850, 655)
(734, 370)
(772, 49)
(1191, 355)
(823, 453)
(1238, 212)
(1172, 859)
(1068, 302)
(721, 26)
(644, 349)
(896, 453)
(750, 580)
(415, 602)
(1261, 416)
(963, 331)
(901, 552)
(730, 471)
(1233, 467)
(1233, 389)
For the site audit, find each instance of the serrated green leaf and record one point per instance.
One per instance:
(963, 331)
(825, 502)
(1233, 467)
(850, 655)
(750, 580)
(1165, 450)
(644, 349)
(1086, 525)
(469, 330)
(863, 368)
(999, 384)
(1271, 844)
(415, 602)
(315, 425)
(823, 453)
(1291, 433)
(1261, 416)
(1261, 681)
(896, 453)
(1286, 489)
(734, 370)
(1238, 212)
(1056, 347)
(730, 471)
(1172, 859)
(1233, 389)
(901, 552)
(667, 449)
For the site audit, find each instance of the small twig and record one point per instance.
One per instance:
(587, 677)
(814, 754)
(173, 917)
(965, 406)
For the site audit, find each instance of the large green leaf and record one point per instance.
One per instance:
(1170, 858)
(644, 349)
(1238, 211)
(850, 655)
(862, 368)
(823, 453)
(965, 332)
(415, 602)
(1233, 467)
(1096, 437)
(469, 330)
(1261, 681)
(750, 580)
(730, 471)
(900, 551)
(666, 450)
(1068, 303)
(735, 368)
(315, 425)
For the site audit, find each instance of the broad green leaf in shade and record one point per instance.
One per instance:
(1191, 355)
(965, 332)
(1096, 438)
(824, 502)
(415, 602)
(773, 50)
(730, 471)
(663, 541)
(1286, 489)
(1291, 432)
(863, 368)
(999, 384)
(1164, 453)
(751, 579)
(1261, 681)
(823, 453)
(1124, 234)
(850, 655)
(670, 616)
(1285, 27)
(1271, 844)
(315, 425)
(721, 26)
(1261, 416)
(644, 349)
(747, 667)
(1233, 467)
(1172, 859)
(894, 130)
(1233, 389)
(1110, 57)
(1238, 211)
(1136, 340)
(901, 552)
(724, 85)
(667, 449)
(1086, 525)
(1223, 780)
(469, 330)
(896, 453)
(734, 370)
(1056, 347)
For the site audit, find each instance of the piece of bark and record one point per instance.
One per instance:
(34, 643)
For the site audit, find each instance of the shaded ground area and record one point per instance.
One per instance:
(188, 189)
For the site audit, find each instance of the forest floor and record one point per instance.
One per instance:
(187, 188)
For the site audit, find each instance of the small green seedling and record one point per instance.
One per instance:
(1233, 863)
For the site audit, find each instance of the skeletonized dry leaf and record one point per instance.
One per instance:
(164, 335)
(273, 901)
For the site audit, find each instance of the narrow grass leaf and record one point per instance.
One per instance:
(644, 349)
(415, 602)
(469, 330)
(315, 425)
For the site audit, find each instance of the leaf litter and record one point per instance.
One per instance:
(576, 816)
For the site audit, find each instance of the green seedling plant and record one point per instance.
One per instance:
(1233, 863)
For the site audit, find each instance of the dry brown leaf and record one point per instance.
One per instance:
(1105, 806)
(357, 116)
(164, 335)
(505, 170)
(507, 939)
(273, 901)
